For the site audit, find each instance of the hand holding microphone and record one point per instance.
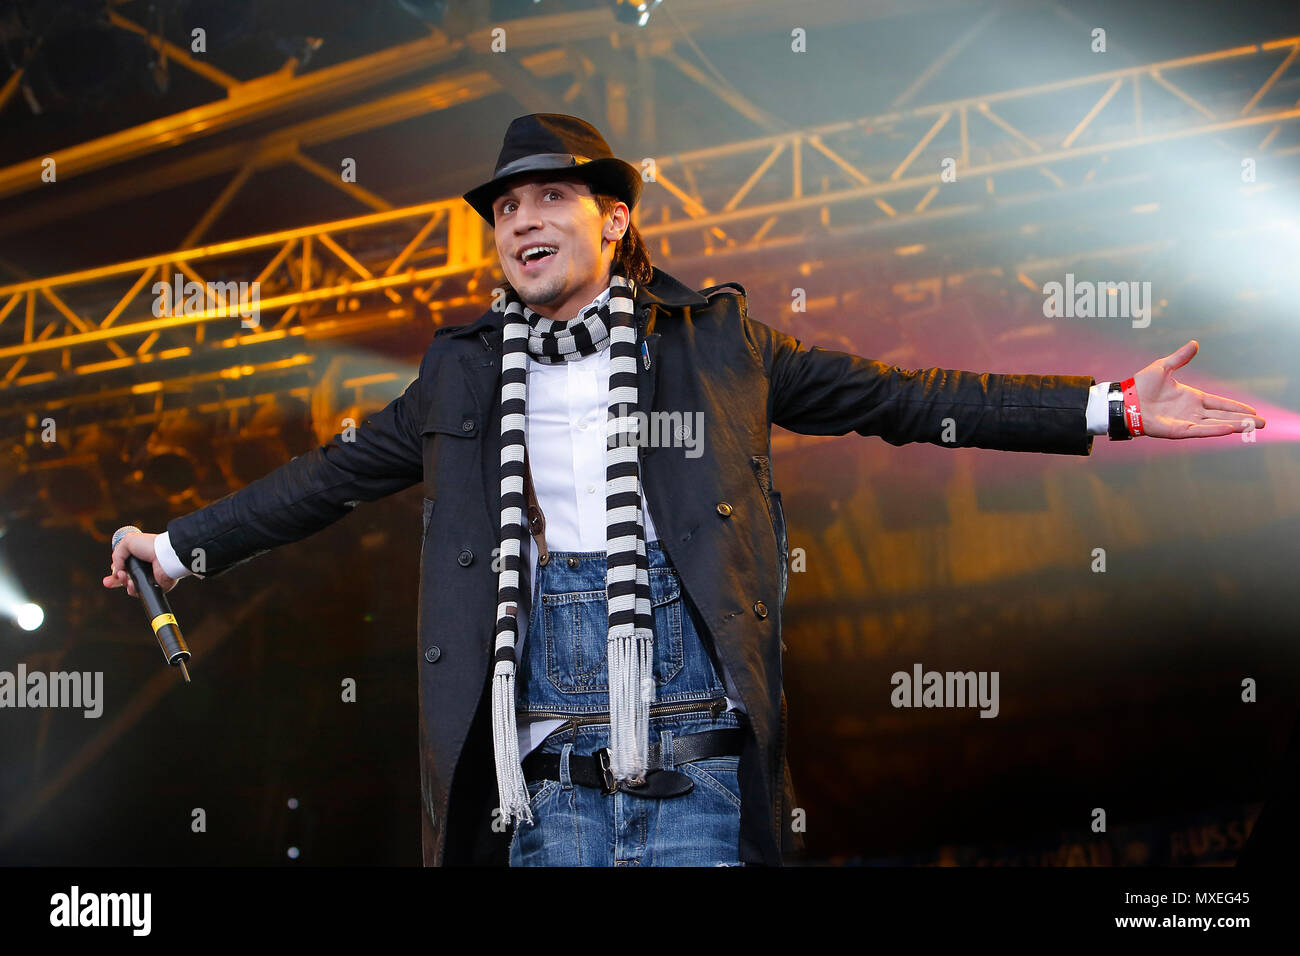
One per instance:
(131, 549)
(140, 545)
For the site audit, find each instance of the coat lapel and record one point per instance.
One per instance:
(647, 378)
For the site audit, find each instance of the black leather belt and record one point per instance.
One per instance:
(593, 770)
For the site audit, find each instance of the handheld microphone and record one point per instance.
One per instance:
(160, 613)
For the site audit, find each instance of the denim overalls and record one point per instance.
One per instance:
(563, 673)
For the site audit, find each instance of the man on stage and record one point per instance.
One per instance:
(600, 600)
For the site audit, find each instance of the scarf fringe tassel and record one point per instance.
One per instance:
(631, 688)
(511, 787)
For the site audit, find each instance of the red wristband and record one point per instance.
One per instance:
(1132, 410)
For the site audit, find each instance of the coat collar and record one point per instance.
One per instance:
(662, 290)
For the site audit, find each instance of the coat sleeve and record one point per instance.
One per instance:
(819, 391)
(311, 490)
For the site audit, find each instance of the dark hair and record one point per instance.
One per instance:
(631, 257)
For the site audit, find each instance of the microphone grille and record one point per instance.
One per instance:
(122, 532)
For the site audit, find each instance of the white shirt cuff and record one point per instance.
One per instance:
(171, 564)
(1098, 414)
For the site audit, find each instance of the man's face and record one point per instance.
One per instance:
(541, 210)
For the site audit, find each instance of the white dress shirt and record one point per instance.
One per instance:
(568, 404)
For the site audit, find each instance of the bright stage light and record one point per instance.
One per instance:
(634, 11)
(14, 603)
(29, 616)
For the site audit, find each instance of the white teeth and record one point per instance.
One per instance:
(532, 250)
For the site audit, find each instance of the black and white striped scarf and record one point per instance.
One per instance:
(630, 636)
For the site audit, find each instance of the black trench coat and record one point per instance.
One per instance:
(718, 515)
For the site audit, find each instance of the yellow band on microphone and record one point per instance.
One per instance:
(163, 619)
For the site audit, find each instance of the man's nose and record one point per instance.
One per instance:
(526, 222)
(525, 219)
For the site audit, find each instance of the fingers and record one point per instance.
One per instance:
(1224, 404)
(1208, 429)
(1180, 358)
(1237, 418)
(120, 553)
(120, 579)
(117, 578)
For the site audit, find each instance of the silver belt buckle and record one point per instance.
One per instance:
(602, 759)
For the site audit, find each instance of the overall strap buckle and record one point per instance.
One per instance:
(607, 775)
(536, 520)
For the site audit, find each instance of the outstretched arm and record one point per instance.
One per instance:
(818, 391)
(307, 493)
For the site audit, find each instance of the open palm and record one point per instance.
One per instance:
(1171, 409)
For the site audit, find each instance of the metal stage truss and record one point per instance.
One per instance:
(63, 337)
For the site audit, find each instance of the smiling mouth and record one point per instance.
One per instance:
(536, 257)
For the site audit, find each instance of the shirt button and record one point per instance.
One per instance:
(432, 653)
(760, 609)
(465, 557)
(724, 509)
(591, 489)
(467, 425)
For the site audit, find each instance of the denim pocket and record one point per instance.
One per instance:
(575, 625)
(539, 790)
(720, 775)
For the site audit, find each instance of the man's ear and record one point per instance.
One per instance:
(621, 220)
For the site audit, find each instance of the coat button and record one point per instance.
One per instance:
(574, 562)
(432, 653)
(465, 557)
(760, 609)
(467, 425)
(724, 509)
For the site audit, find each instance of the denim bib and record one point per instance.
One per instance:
(563, 672)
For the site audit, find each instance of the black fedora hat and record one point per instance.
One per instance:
(554, 141)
